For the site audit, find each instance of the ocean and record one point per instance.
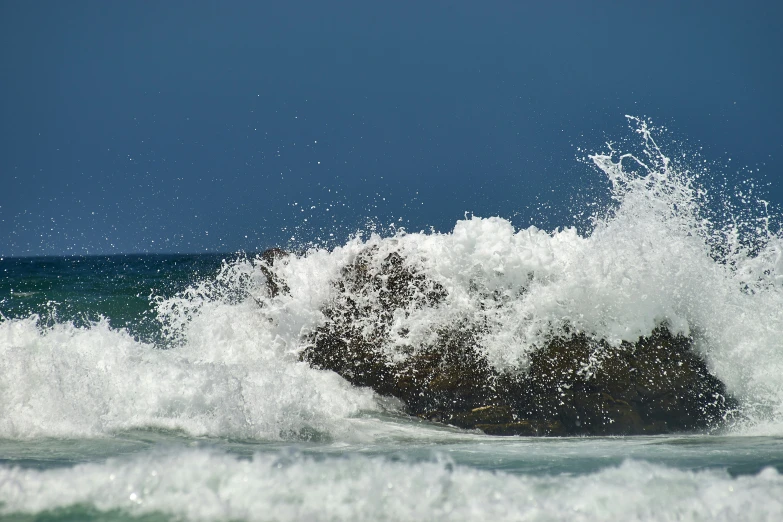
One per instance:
(172, 387)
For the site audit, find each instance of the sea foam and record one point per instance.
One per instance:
(73, 382)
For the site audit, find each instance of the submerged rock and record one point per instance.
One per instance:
(574, 385)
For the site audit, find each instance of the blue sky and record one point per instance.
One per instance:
(218, 126)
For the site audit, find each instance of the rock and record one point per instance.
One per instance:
(343, 345)
(656, 385)
(575, 385)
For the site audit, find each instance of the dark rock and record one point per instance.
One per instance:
(575, 385)
(656, 385)
(343, 345)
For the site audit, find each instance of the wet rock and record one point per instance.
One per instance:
(575, 385)
(353, 347)
(525, 428)
(656, 385)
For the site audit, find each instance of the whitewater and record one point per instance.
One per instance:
(211, 414)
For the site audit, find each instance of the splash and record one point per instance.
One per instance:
(703, 264)
(667, 251)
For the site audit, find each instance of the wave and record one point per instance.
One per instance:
(67, 381)
(209, 485)
(667, 252)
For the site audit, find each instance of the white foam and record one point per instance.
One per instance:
(205, 485)
(68, 381)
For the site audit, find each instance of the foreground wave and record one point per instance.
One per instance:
(208, 485)
(66, 381)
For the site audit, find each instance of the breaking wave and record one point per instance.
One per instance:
(667, 252)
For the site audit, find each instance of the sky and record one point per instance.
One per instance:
(195, 126)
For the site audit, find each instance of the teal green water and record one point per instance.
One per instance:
(84, 436)
(83, 289)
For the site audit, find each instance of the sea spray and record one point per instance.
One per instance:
(654, 259)
(666, 253)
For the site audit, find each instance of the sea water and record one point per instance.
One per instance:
(157, 387)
